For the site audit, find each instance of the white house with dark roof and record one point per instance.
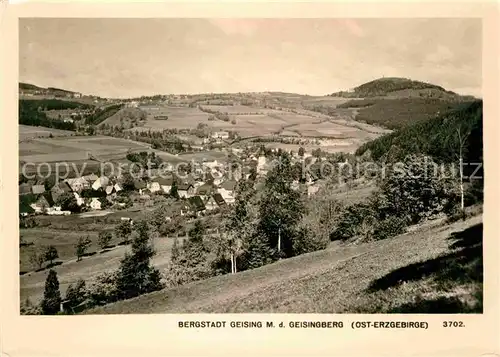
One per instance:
(78, 184)
(95, 203)
(185, 190)
(226, 189)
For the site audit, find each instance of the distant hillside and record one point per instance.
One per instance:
(128, 117)
(398, 113)
(386, 86)
(436, 137)
(53, 89)
(49, 90)
(27, 86)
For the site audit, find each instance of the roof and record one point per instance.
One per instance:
(165, 181)
(102, 181)
(184, 186)
(204, 189)
(91, 177)
(209, 177)
(219, 199)
(62, 186)
(109, 189)
(38, 189)
(48, 197)
(229, 185)
(25, 201)
(139, 184)
(24, 188)
(196, 203)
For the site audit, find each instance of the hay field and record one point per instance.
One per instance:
(75, 148)
(29, 132)
(240, 109)
(178, 118)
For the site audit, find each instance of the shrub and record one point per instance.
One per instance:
(455, 213)
(305, 241)
(28, 308)
(104, 239)
(103, 289)
(354, 218)
(389, 227)
(82, 246)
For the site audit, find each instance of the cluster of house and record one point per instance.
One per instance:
(207, 187)
(91, 192)
(34, 198)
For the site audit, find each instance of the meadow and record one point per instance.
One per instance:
(433, 268)
(29, 132)
(74, 148)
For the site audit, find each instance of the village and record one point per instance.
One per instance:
(198, 188)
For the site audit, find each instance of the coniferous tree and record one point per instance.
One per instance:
(51, 296)
(173, 190)
(136, 276)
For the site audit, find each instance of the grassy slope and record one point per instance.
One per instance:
(423, 271)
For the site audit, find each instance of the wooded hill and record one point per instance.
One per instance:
(386, 86)
(437, 137)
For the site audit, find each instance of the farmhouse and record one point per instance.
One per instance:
(205, 190)
(78, 184)
(95, 203)
(224, 135)
(215, 201)
(154, 186)
(185, 190)
(165, 184)
(226, 190)
(42, 204)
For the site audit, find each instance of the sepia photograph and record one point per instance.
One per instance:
(250, 165)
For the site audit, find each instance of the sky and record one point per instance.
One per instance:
(132, 57)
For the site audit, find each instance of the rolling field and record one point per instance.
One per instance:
(32, 284)
(434, 267)
(241, 109)
(178, 118)
(75, 148)
(254, 121)
(29, 132)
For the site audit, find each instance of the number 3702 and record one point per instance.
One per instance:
(453, 324)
